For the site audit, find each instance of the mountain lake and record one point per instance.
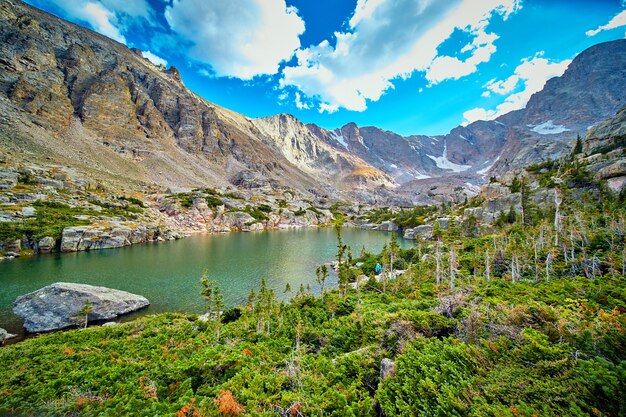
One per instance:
(168, 273)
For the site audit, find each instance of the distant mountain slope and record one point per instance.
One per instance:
(83, 100)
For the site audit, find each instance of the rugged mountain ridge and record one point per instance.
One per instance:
(66, 83)
(425, 167)
(85, 101)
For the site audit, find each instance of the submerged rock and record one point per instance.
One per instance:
(58, 305)
(4, 335)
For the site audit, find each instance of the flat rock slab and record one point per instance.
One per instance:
(58, 305)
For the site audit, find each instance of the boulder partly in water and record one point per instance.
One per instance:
(58, 305)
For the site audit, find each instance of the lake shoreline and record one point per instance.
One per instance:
(168, 274)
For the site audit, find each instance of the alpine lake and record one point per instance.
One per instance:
(168, 273)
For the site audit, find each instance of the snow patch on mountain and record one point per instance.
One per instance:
(443, 162)
(549, 128)
(339, 138)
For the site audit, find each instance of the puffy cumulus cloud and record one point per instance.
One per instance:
(238, 39)
(108, 17)
(155, 59)
(389, 39)
(617, 21)
(532, 73)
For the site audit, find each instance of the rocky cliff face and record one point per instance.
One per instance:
(85, 101)
(300, 146)
(110, 101)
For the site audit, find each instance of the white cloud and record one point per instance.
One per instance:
(155, 59)
(300, 104)
(502, 86)
(391, 39)
(532, 73)
(108, 17)
(238, 39)
(617, 21)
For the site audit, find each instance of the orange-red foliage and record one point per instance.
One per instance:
(227, 405)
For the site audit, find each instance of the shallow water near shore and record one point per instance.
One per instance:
(168, 273)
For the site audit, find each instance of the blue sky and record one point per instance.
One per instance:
(409, 66)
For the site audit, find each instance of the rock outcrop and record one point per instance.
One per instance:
(58, 305)
(388, 368)
(111, 235)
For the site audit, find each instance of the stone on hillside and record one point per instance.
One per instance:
(56, 184)
(29, 211)
(79, 238)
(477, 212)
(424, 232)
(387, 368)
(249, 179)
(8, 180)
(444, 223)
(13, 246)
(58, 305)
(616, 169)
(254, 227)
(178, 190)
(616, 184)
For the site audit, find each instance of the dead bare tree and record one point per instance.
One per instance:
(487, 266)
(452, 260)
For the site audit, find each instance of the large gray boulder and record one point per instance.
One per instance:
(58, 305)
(615, 169)
(387, 226)
(424, 232)
(79, 238)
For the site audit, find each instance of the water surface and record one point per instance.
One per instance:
(168, 273)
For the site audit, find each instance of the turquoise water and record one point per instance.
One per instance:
(168, 273)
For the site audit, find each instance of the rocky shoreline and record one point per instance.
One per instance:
(50, 208)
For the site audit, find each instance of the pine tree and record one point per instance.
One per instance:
(578, 147)
(86, 311)
(321, 273)
(214, 301)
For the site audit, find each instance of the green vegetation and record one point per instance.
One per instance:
(52, 217)
(134, 201)
(300, 212)
(527, 319)
(405, 218)
(213, 201)
(186, 199)
(50, 220)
